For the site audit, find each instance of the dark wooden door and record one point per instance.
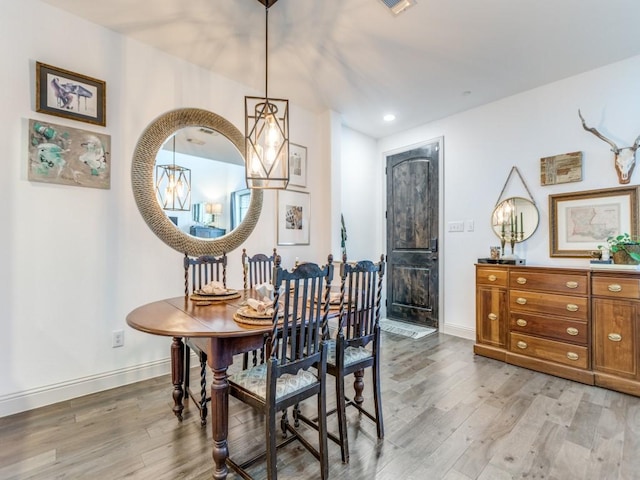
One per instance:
(412, 235)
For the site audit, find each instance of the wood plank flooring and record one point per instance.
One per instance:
(448, 415)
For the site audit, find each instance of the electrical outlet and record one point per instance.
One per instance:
(469, 225)
(456, 226)
(117, 338)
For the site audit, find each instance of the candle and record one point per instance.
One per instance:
(521, 224)
(512, 223)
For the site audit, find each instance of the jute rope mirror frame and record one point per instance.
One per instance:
(142, 182)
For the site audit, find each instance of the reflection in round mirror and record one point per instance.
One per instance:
(148, 148)
(217, 175)
(515, 217)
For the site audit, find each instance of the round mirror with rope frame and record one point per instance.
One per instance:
(142, 181)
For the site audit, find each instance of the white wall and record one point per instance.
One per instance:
(76, 260)
(360, 196)
(481, 146)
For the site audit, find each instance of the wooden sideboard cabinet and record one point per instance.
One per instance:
(574, 323)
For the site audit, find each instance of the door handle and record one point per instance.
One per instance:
(434, 245)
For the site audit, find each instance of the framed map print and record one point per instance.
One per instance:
(580, 221)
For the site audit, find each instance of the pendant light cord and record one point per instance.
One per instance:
(266, 54)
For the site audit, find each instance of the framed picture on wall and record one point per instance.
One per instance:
(70, 95)
(297, 165)
(580, 221)
(293, 217)
(68, 156)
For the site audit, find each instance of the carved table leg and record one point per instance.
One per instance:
(219, 360)
(177, 357)
(219, 422)
(358, 386)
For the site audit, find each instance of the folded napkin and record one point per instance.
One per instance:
(263, 307)
(264, 289)
(216, 288)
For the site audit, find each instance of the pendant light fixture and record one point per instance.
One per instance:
(173, 185)
(267, 132)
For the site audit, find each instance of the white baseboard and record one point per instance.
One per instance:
(458, 331)
(47, 395)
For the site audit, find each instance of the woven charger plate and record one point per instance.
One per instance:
(248, 316)
(208, 299)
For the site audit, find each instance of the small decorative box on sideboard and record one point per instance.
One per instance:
(575, 323)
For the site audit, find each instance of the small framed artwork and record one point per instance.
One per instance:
(297, 165)
(68, 156)
(580, 221)
(293, 217)
(563, 168)
(70, 95)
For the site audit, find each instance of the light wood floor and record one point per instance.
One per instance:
(448, 415)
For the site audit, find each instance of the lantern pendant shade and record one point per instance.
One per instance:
(173, 185)
(267, 142)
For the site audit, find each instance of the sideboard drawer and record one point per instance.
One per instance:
(492, 276)
(616, 287)
(565, 330)
(576, 308)
(559, 352)
(572, 284)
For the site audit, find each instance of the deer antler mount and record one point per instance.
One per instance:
(624, 158)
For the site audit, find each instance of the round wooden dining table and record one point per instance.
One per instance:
(214, 330)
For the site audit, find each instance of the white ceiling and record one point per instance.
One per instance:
(437, 58)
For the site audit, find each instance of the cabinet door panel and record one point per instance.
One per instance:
(492, 316)
(614, 339)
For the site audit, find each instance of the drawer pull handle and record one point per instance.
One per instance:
(522, 345)
(521, 280)
(521, 322)
(572, 307)
(572, 356)
(521, 301)
(614, 287)
(492, 316)
(572, 284)
(492, 278)
(615, 337)
(572, 331)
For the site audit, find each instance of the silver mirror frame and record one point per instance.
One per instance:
(142, 168)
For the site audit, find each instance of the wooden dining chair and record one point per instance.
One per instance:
(256, 269)
(356, 345)
(198, 271)
(295, 369)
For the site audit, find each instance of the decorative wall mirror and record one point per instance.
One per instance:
(147, 150)
(516, 214)
(514, 219)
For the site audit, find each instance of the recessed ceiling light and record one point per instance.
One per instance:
(389, 117)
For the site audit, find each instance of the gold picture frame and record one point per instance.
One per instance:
(581, 221)
(70, 95)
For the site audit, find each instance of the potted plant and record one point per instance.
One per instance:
(624, 249)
